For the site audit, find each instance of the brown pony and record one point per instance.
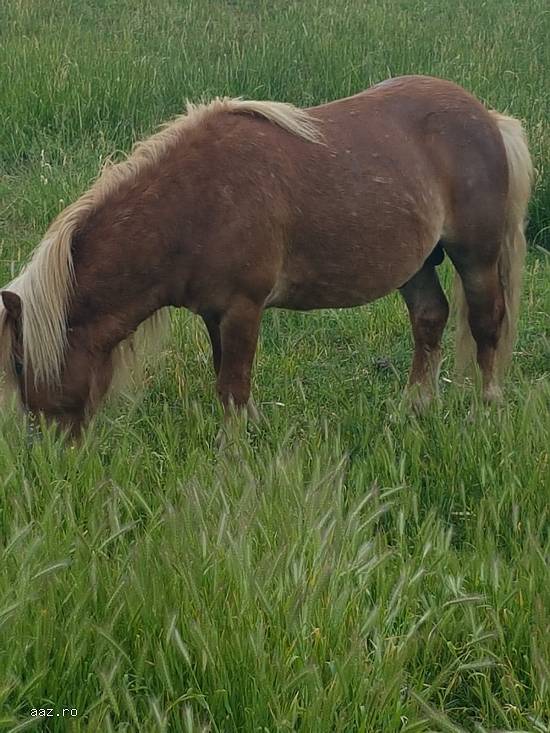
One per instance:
(239, 206)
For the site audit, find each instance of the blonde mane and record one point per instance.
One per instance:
(46, 285)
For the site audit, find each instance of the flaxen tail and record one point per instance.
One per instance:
(512, 256)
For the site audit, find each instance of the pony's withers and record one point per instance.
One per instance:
(239, 206)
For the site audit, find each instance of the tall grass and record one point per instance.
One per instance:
(344, 566)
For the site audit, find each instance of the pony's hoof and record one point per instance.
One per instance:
(418, 399)
(233, 429)
(492, 395)
(221, 440)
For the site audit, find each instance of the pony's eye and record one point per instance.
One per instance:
(18, 366)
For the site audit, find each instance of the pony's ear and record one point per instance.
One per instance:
(12, 304)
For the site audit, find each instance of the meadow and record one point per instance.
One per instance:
(344, 565)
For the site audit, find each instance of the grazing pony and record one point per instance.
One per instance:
(238, 206)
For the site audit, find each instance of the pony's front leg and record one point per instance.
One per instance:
(428, 311)
(239, 329)
(212, 323)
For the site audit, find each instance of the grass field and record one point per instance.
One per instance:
(344, 566)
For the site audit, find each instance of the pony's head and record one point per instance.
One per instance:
(67, 396)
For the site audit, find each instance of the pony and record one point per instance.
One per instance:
(238, 206)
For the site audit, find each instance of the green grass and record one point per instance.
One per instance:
(344, 566)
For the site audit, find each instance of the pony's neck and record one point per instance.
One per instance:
(114, 290)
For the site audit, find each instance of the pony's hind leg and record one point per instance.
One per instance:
(484, 299)
(428, 311)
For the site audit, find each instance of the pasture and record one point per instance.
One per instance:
(343, 565)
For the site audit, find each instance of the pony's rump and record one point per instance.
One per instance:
(512, 255)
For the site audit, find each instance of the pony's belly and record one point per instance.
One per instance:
(349, 278)
(343, 268)
(324, 293)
